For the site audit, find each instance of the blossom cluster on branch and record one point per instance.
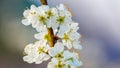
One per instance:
(57, 37)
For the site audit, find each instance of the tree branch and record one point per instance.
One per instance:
(51, 40)
(44, 2)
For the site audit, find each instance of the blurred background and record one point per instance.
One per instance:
(99, 22)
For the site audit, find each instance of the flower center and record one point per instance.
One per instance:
(69, 66)
(42, 19)
(61, 19)
(65, 37)
(40, 50)
(32, 13)
(59, 55)
(49, 13)
(60, 65)
(72, 59)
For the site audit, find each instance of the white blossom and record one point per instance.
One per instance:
(71, 38)
(55, 63)
(64, 31)
(42, 35)
(64, 20)
(71, 59)
(57, 50)
(36, 52)
(30, 15)
(62, 58)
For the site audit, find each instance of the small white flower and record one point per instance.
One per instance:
(68, 60)
(29, 48)
(71, 59)
(30, 12)
(63, 28)
(56, 64)
(42, 57)
(64, 20)
(52, 13)
(30, 15)
(42, 35)
(36, 52)
(64, 10)
(59, 64)
(42, 9)
(71, 38)
(57, 50)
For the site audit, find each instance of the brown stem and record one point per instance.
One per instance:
(51, 37)
(51, 40)
(43, 2)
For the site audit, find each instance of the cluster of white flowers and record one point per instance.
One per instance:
(53, 25)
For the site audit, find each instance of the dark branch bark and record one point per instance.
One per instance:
(50, 30)
(44, 2)
(51, 37)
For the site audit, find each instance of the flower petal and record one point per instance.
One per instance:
(59, 47)
(26, 22)
(77, 45)
(52, 52)
(26, 13)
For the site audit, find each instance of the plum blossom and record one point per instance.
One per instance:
(71, 38)
(36, 52)
(61, 58)
(56, 38)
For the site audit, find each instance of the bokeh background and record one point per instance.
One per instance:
(99, 22)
